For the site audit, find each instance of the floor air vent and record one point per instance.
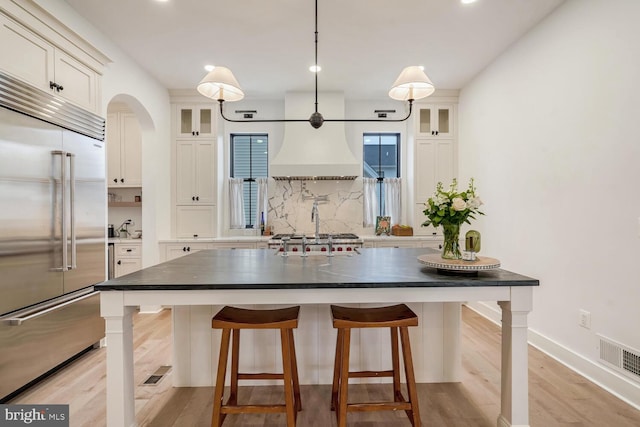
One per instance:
(620, 357)
(155, 378)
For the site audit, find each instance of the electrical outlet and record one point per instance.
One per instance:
(585, 319)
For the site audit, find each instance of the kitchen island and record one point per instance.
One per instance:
(264, 278)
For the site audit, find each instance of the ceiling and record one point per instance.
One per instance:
(269, 44)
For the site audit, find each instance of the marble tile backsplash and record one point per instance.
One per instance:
(290, 204)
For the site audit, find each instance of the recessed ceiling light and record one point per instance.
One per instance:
(467, 1)
(315, 68)
(209, 68)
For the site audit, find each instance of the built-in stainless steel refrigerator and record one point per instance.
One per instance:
(52, 232)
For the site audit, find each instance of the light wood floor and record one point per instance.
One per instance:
(558, 396)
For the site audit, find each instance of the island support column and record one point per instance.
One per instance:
(119, 335)
(514, 394)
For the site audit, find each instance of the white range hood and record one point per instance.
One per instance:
(308, 153)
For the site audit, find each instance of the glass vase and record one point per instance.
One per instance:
(451, 245)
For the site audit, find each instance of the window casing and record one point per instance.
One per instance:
(249, 160)
(381, 159)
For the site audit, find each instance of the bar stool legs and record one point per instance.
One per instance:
(234, 319)
(218, 416)
(397, 318)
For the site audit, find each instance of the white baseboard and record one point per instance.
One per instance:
(151, 309)
(618, 385)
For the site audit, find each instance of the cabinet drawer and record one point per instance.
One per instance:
(130, 251)
(177, 250)
(35, 342)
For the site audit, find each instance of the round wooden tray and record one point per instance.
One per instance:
(481, 263)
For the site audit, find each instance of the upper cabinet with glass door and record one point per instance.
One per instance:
(195, 121)
(435, 121)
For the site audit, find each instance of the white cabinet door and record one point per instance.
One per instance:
(195, 172)
(124, 150)
(77, 82)
(195, 121)
(435, 162)
(195, 221)
(113, 149)
(185, 172)
(128, 258)
(131, 140)
(42, 64)
(25, 55)
(127, 265)
(436, 121)
(177, 250)
(204, 172)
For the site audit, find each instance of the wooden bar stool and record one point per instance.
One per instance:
(397, 317)
(234, 319)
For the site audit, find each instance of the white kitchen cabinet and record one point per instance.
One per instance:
(124, 150)
(195, 166)
(195, 221)
(46, 66)
(171, 251)
(194, 173)
(195, 121)
(127, 258)
(435, 121)
(435, 157)
(127, 265)
(434, 162)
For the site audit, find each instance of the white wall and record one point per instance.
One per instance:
(125, 81)
(550, 132)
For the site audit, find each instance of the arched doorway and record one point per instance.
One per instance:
(130, 131)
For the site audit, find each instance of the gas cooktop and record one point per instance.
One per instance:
(337, 236)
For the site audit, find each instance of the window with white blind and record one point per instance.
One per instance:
(249, 160)
(381, 160)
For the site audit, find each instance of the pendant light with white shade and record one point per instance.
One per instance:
(221, 85)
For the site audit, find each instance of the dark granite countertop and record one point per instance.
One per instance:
(265, 269)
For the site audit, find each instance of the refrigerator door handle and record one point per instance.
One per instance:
(72, 209)
(18, 319)
(63, 210)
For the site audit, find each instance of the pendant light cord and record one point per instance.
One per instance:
(316, 59)
(316, 118)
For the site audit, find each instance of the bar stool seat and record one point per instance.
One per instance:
(397, 318)
(235, 319)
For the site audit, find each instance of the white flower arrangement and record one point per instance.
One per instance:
(452, 207)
